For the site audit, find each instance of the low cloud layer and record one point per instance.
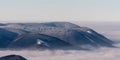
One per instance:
(97, 54)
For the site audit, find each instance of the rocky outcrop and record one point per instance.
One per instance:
(12, 57)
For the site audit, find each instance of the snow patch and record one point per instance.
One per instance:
(89, 32)
(40, 42)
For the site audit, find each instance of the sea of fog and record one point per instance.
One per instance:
(110, 30)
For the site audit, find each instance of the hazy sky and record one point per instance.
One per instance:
(51, 10)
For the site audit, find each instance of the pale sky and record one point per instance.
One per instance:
(59, 10)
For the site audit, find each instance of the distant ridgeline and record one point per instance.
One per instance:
(52, 35)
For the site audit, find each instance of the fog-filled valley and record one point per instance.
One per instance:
(108, 29)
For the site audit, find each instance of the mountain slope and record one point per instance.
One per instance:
(38, 40)
(6, 37)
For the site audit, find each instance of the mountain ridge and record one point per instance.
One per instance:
(68, 33)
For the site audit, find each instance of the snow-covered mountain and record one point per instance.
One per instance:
(50, 35)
